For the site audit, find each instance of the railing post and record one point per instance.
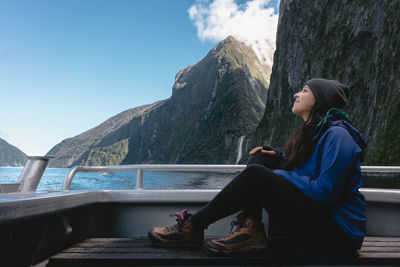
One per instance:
(139, 178)
(32, 173)
(68, 178)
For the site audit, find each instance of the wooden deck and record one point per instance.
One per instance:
(139, 251)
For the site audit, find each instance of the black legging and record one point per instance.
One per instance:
(304, 222)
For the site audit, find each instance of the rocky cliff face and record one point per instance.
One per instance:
(10, 155)
(356, 42)
(213, 104)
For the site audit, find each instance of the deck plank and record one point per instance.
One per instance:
(139, 251)
(382, 238)
(381, 244)
(380, 249)
(114, 240)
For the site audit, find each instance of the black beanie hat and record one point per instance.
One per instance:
(329, 93)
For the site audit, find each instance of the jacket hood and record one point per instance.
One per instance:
(335, 116)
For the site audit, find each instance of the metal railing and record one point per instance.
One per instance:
(172, 168)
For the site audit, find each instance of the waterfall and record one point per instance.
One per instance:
(239, 149)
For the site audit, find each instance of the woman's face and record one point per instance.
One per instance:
(305, 100)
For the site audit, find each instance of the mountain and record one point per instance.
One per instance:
(73, 151)
(213, 104)
(10, 155)
(356, 42)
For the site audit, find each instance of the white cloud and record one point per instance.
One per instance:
(252, 22)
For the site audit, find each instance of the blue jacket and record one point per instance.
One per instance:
(332, 175)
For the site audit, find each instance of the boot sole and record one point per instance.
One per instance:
(249, 249)
(156, 242)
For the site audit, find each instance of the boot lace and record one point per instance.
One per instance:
(239, 222)
(180, 218)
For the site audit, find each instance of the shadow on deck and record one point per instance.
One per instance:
(139, 251)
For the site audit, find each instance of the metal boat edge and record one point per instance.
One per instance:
(38, 224)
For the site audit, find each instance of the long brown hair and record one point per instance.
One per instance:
(301, 145)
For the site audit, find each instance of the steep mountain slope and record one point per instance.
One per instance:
(71, 151)
(356, 42)
(213, 104)
(10, 155)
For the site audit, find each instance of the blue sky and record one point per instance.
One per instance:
(68, 65)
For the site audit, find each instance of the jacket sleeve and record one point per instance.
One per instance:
(338, 161)
(280, 154)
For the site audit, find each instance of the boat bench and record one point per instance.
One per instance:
(139, 251)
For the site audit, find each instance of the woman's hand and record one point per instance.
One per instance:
(263, 151)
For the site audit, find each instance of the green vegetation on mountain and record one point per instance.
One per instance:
(11, 156)
(108, 155)
(213, 104)
(356, 42)
(75, 150)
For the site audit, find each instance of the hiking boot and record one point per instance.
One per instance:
(181, 233)
(249, 236)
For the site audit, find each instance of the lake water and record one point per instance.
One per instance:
(53, 179)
